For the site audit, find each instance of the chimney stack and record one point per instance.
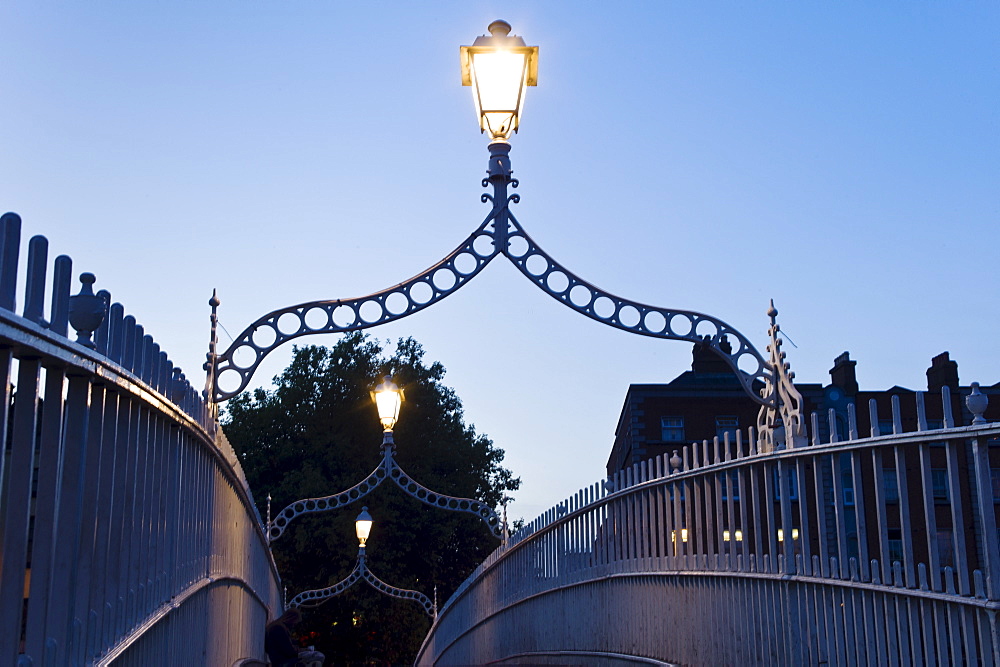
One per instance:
(943, 372)
(842, 374)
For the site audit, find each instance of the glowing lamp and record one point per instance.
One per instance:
(499, 67)
(387, 397)
(363, 526)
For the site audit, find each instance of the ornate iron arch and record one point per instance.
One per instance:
(316, 597)
(231, 371)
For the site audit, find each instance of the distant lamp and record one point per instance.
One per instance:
(499, 67)
(363, 526)
(387, 397)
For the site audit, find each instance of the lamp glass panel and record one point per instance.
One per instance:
(387, 402)
(363, 528)
(499, 80)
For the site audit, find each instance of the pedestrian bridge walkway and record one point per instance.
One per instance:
(129, 535)
(875, 550)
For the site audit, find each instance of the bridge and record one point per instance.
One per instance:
(129, 535)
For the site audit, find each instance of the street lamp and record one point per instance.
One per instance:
(388, 397)
(499, 67)
(363, 526)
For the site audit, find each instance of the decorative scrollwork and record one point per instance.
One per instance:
(235, 367)
(388, 468)
(441, 501)
(335, 501)
(314, 598)
(230, 372)
(583, 297)
(781, 426)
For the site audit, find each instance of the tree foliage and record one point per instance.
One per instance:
(315, 433)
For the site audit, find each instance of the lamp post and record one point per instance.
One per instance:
(362, 528)
(499, 68)
(387, 397)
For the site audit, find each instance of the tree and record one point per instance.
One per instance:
(315, 433)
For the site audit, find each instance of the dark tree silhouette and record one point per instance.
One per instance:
(317, 433)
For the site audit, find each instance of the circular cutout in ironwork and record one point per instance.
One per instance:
(580, 296)
(397, 303)
(628, 316)
(344, 316)
(517, 246)
(317, 318)
(466, 263)
(557, 282)
(444, 279)
(654, 322)
(706, 328)
(264, 336)
(536, 265)
(421, 292)
(483, 245)
(244, 356)
(289, 323)
(371, 311)
(229, 380)
(680, 324)
(604, 307)
(748, 363)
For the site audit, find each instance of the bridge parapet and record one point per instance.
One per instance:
(128, 532)
(879, 549)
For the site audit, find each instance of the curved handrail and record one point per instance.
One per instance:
(587, 299)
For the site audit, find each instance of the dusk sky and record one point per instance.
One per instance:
(841, 158)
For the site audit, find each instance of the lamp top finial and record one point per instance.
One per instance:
(499, 28)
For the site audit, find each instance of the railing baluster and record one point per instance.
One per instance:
(10, 249)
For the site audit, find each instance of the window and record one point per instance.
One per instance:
(895, 545)
(939, 483)
(847, 483)
(734, 484)
(946, 548)
(890, 484)
(885, 427)
(793, 484)
(672, 429)
(995, 482)
(727, 424)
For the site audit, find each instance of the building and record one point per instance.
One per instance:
(708, 401)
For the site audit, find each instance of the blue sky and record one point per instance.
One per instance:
(840, 158)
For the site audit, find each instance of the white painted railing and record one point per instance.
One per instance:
(835, 553)
(127, 532)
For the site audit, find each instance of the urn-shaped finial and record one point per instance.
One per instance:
(675, 462)
(86, 311)
(977, 402)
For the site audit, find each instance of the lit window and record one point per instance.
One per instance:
(672, 429)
